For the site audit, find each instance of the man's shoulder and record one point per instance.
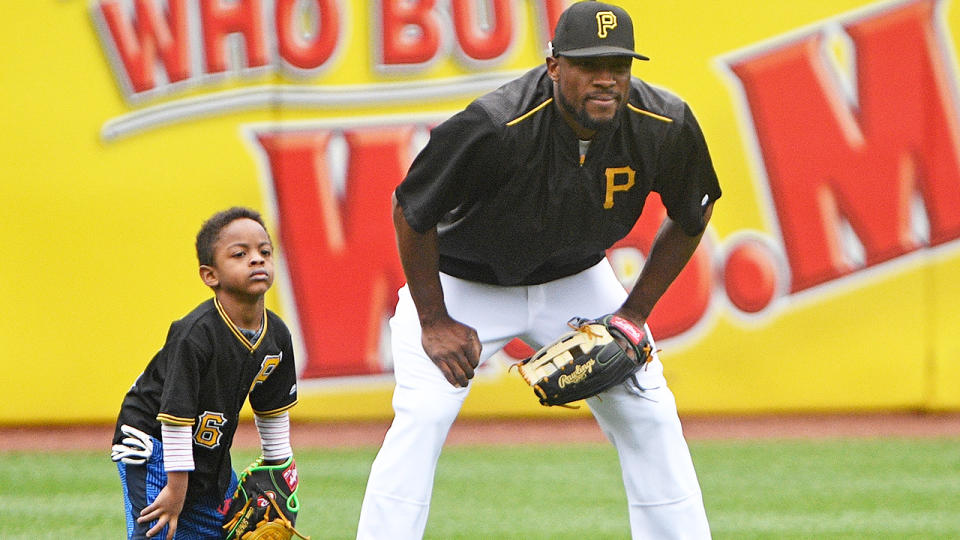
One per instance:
(517, 97)
(655, 101)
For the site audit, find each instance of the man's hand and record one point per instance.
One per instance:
(166, 508)
(454, 347)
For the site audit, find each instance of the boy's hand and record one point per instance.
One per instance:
(165, 509)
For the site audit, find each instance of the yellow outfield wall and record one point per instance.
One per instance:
(827, 280)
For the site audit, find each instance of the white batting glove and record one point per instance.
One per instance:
(134, 449)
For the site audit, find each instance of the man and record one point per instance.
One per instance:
(502, 225)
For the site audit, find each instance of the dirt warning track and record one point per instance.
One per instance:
(523, 431)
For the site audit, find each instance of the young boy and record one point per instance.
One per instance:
(177, 422)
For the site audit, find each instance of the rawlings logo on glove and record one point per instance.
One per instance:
(590, 359)
(579, 374)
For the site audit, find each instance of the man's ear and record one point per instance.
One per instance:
(553, 66)
(209, 276)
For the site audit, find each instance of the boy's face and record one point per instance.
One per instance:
(243, 261)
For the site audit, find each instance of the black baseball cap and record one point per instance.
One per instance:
(594, 29)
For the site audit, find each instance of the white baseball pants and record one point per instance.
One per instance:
(639, 417)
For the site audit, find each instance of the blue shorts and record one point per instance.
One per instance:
(202, 520)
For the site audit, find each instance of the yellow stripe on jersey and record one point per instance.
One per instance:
(236, 330)
(275, 412)
(175, 420)
(648, 113)
(527, 115)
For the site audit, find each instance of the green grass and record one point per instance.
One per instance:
(836, 489)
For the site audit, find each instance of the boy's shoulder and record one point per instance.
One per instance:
(198, 314)
(275, 322)
(196, 319)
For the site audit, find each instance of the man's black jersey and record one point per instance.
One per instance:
(503, 182)
(201, 378)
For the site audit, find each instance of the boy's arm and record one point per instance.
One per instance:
(165, 509)
(274, 437)
(177, 462)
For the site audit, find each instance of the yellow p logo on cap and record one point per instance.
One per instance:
(606, 20)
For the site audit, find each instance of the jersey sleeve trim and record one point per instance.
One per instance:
(529, 113)
(276, 412)
(165, 418)
(648, 113)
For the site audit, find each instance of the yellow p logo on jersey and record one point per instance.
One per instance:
(606, 20)
(629, 178)
(269, 364)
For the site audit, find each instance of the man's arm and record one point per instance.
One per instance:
(453, 346)
(670, 252)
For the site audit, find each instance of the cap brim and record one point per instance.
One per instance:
(601, 51)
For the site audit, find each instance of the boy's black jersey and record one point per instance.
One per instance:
(201, 378)
(514, 205)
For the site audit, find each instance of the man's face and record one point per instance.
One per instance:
(591, 90)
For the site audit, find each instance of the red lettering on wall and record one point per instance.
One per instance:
(410, 31)
(152, 34)
(827, 160)
(552, 10)
(221, 19)
(307, 51)
(476, 41)
(148, 39)
(340, 255)
(750, 276)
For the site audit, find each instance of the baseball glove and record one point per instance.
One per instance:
(586, 361)
(265, 504)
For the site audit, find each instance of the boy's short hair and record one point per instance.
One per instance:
(210, 230)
